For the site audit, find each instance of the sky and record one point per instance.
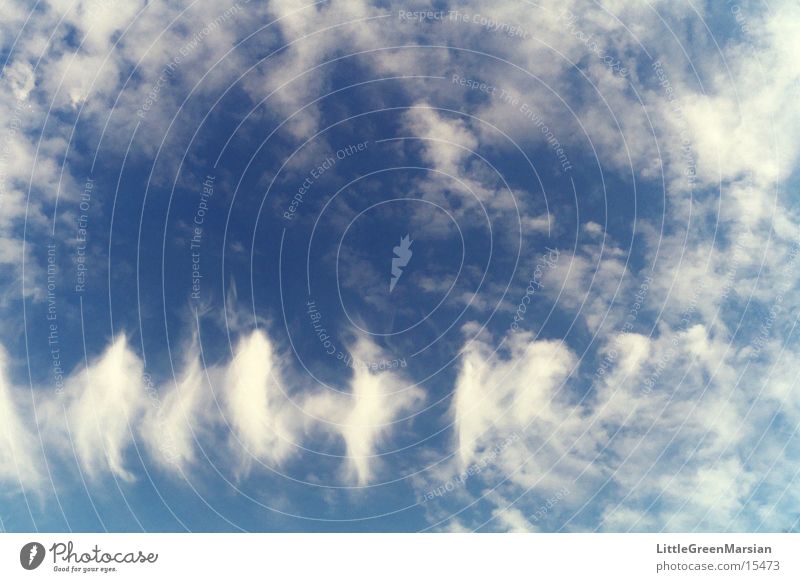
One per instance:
(382, 266)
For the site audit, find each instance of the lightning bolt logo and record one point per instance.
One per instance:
(32, 555)
(402, 256)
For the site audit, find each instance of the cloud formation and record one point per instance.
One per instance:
(659, 391)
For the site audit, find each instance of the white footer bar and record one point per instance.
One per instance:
(382, 557)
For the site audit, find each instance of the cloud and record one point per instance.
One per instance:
(98, 410)
(105, 409)
(177, 417)
(667, 446)
(378, 399)
(495, 397)
(370, 413)
(447, 142)
(312, 35)
(260, 416)
(19, 450)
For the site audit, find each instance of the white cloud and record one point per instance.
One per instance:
(495, 397)
(98, 411)
(367, 416)
(19, 450)
(662, 433)
(105, 408)
(173, 422)
(378, 399)
(260, 415)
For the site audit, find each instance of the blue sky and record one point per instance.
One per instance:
(592, 320)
